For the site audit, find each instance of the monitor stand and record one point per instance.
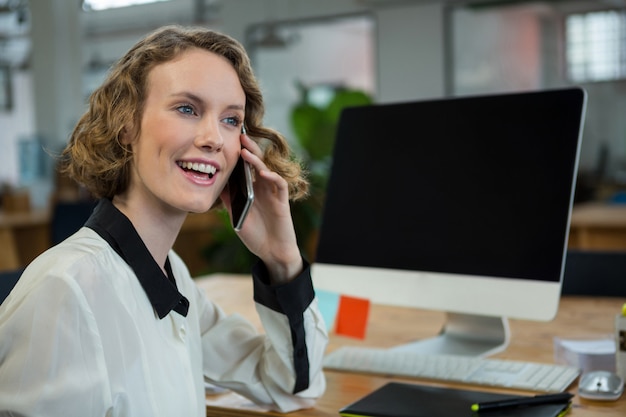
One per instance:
(467, 335)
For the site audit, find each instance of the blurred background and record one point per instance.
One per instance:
(312, 58)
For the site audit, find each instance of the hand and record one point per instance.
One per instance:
(268, 230)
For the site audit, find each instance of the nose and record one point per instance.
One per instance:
(209, 137)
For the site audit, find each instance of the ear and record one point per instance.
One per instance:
(126, 136)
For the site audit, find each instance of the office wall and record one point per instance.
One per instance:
(319, 55)
(409, 60)
(520, 47)
(409, 37)
(410, 52)
(15, 125)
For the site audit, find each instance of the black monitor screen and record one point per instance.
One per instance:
(470, 185)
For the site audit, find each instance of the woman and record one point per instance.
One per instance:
(109, 321)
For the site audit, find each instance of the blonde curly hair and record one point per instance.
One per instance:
(95, 155)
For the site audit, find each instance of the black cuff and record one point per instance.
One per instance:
(290, 299)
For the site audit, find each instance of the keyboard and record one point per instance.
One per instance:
(501, 373)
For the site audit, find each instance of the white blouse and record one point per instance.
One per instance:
(80, 337)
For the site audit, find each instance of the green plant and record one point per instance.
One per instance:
(226, 253)
(315, 125)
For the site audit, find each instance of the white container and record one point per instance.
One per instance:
(620, 343)
(586, 352)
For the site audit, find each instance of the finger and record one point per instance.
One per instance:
(254, 160)
(277, 184)
(251, 145)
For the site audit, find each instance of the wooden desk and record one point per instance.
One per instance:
(577, 316)
(23, 236)
(26, 234)
(598, 226)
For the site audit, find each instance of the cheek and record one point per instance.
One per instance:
(162, 141)
(232, 149)
(161, 128)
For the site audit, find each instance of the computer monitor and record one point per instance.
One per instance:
(456, 204)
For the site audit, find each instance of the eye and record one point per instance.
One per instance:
(186, 109)
(233, 121)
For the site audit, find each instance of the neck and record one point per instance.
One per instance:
(157, 227)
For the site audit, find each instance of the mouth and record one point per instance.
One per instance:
(198, 168)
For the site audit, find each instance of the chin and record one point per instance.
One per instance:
(195, 206)
(200, 206)
(192, 200)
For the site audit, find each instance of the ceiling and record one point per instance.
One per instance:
(15, 43)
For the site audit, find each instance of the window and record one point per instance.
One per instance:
(112, 4)
(596, 46)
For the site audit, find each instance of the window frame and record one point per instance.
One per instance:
(614, 71)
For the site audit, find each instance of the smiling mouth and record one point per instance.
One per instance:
(200, 168)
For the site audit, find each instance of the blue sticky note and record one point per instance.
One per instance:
(328, 303)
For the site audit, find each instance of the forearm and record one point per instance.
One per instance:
(289, 383)
(282, 369)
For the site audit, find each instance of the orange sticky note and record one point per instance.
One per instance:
(352, 316)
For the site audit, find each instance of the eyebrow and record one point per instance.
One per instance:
(193, 97)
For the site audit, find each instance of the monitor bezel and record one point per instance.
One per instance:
(458, 293)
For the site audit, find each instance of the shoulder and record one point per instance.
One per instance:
(75, 265)
(84, 249)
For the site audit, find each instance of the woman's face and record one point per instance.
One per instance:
(189, 140)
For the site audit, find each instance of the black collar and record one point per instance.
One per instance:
(120, 234)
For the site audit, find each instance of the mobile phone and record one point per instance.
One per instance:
(241, 191)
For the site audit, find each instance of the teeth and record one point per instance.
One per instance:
(195, 166)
